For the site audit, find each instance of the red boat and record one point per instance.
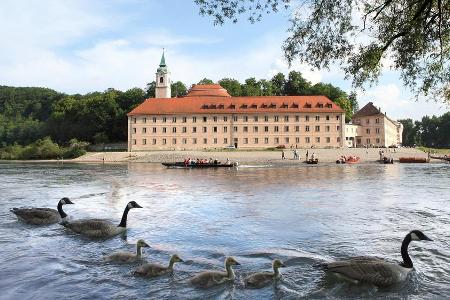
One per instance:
(413, 160)
(348, 159)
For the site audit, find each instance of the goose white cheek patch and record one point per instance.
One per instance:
(414, 237)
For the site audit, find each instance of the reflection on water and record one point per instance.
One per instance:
(303, 215)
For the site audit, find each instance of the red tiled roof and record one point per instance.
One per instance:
(214, 99)
(368, 110)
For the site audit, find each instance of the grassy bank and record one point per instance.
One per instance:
(434, 150)
(43, 149)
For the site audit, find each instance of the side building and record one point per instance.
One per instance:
(373, 128)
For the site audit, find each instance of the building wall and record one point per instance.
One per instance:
(351, 132)
(168, 132)
(377, 131)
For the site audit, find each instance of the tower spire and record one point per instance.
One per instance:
(163, 81)
(163, 60)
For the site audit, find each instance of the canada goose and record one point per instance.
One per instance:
(127, 257)
(261, 279)
(153, 270)
(42, 216)
(210, 278)
(377, 271)
(98, 228)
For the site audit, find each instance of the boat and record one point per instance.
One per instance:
(352, 159)
(311, 161)
(181, 164)
(387, 160)
(413, 160)
(445, 157)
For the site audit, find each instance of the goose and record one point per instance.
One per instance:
(210, 278)
(127, 257)
(376, 271)
(260, 279)
(98, 228)
(153, 270)
(41, 215)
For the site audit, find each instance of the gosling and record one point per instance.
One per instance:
(211, 278)
(261, 279)
(154, 270)
(127, 257)
(41, 215)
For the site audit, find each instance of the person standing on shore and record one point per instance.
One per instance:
(307, 155)
(282, 154)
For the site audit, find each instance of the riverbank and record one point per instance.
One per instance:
(245, 156)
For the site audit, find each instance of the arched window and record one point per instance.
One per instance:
(161, 79)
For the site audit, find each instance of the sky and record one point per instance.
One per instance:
(81, 46)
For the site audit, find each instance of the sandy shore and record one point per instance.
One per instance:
(245, 156)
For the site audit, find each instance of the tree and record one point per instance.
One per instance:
(266, 87)
(232, 86)
(296, 85)
(410, 136)
(251, 87)
(150, 90)
(178, 89)
(278, 84)
(411, 36)
(346, 105)
(206, 81)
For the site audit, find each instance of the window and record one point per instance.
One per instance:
(275, 118)
(184, 141)
(317, 139)
(317, 118)
(266, 118)
(225, 129)
(266, 128)
(286, 140)
(235, 129)
(144, 130)
(154, 119)
(215, 129)
(205, 119)
(134, 142)
(215, 119)
(255, 118)
(337, 118)
(225, 119)
(276, 140)
(164, 119)
(286, 118)
(215, 140)
(194, 129)
(377, 130)
(205, 141)
(194, 119)
(338, 128)
(205, 129)
(297, 140)
(297, 128)
(174, 119)
(245, 118)
(225, 140)
(338, 139)
(245, 140)
(378, 140)
(327, 128)
(256, 141)
(286, 128)
(164, 141)
(144, 120)
(184, 129)
(144, 141)
(174, 130)
(161, 79)
(307, 128)
(235, 118)
(317, 128)
(174, 141)
(368, 130)
(164, 129)
(184, 119)
(377, 121)
(266, 140)
(275, 129)
(368, 141)
(245, 129)
(306, 118)
(134, 120)
(134, 129)
(297, 118)
(367, 121)
(307, 140)
(328, 140)
(154, 141)
(194, 141)
(327, 118)
(255, 128)
(154, 129)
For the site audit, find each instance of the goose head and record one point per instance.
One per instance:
(175, 258)
(142, 244)
(133, 204)
(278, 264)
(230, 261)
(417, 235)
(65, 200)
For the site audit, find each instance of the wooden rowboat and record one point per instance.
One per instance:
(181, 164)
(413, 160)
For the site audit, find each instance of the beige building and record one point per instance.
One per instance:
(374, 128)
(208, 117)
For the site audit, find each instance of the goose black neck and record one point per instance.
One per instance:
(407, 262)
(61, 211)
(123, 222)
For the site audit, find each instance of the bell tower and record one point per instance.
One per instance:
(163, 82)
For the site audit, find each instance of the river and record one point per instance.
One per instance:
(303, 215)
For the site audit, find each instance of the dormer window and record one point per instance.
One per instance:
(244, 106)
(284, 105)
(254, 106)
(307, 105)
(294, 105)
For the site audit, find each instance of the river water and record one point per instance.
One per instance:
(303, 215)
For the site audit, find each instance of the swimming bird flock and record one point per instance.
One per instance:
(370, 270)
